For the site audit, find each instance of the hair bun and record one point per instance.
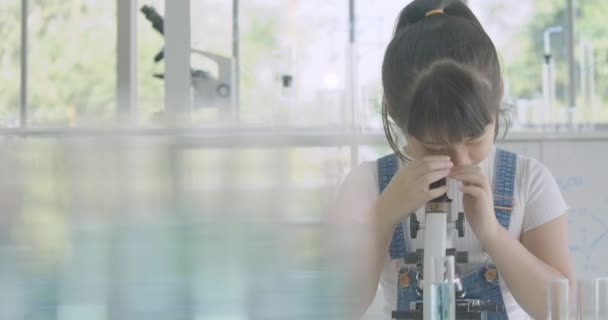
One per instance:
(418, 10)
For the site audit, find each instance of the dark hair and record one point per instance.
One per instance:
(441, 75)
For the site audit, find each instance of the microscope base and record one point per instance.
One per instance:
(417, 315)
(466, 309)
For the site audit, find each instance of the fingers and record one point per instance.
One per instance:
(431, 159)
(440, 158)
(467, 169)
(471, 178)
(431, 177)
(473, 191)
(430, 164)
(437, 192)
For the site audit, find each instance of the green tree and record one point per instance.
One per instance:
(524, 70)
(72, 57)
(10, 13)
(72, 61)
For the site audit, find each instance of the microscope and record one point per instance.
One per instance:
(209, 90)
(439, 231)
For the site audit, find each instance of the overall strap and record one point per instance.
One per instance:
(504, 182)
(387, 167)
(484, 283)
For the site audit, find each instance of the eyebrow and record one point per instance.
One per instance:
(429, 144)
(438, 145)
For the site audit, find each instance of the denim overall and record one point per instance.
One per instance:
(481, 284)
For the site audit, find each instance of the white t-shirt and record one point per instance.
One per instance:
(537, 200)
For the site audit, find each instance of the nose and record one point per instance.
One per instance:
(459, 156)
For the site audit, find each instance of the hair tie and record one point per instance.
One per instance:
(432, 12)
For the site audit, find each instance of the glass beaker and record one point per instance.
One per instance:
(560, 300)
(587, 299)
(443, 295)
(602, 301)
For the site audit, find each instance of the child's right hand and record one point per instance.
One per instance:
(409, 188)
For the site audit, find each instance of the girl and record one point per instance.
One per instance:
(443, 88)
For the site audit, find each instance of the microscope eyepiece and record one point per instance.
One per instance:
(438, 184)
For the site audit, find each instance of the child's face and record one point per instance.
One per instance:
(471, 151)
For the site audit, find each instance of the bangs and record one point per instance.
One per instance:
(447, 111)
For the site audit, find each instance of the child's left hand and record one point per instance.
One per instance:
(477, 201)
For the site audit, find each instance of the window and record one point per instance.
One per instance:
(519, 28)
(294, 63)
(151, 89)
(296, 66)
(10, 52)
(72, 62)
(375, 22)
(292, 66)
(592, 50)
(213, 61)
